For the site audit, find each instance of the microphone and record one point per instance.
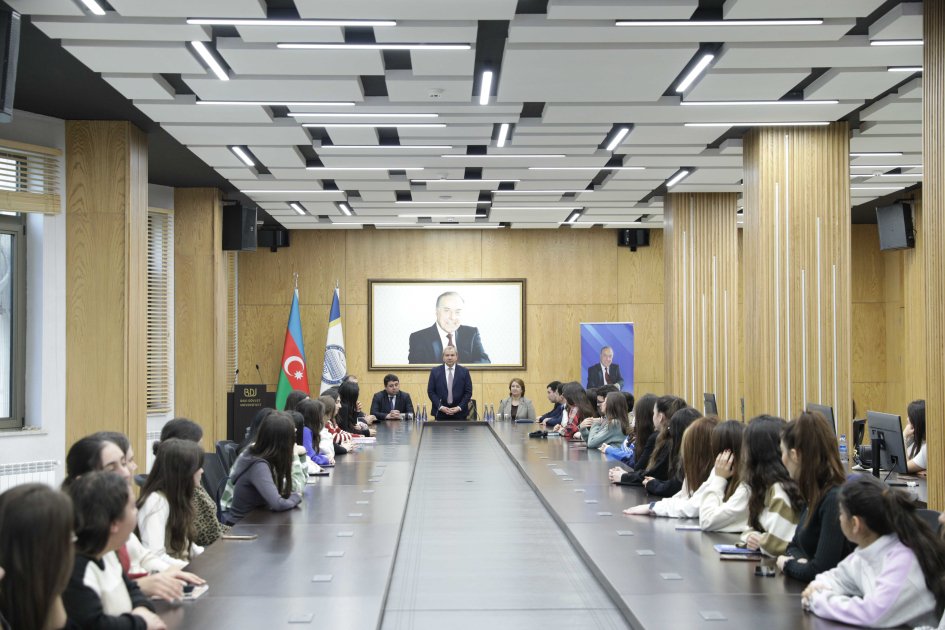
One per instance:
(236, 376)
(258, 373)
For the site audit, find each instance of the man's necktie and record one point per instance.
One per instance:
(449, 386)
(391, 403)
(606, 375)
(449, 339)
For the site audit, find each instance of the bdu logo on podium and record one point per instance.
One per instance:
(249, 392)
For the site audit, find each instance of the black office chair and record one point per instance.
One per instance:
(227, 450)
(471, 412)
(930, 517)
(140, 479)
(214, 477)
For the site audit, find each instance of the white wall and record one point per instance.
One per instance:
(44, 438)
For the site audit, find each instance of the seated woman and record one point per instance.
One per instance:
(263, 476)
(614, 427)
(99, 594)
(638, 447)
(313, 417)
(36, 551)
(516, 406)
(348, 417)
(696, 458)
(774, 500)
(597, 396)
(914, 434)
(896, 575)
(207, 527)
(578, 407)
(809, 452)
(662, 476)
(253, 428)
(341, 440)
(166, 518)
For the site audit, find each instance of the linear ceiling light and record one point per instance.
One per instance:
(439, 216)
(819, 123)
(621, 134)
(761, 103)
(503, 135)
(573, 217)
(877, 154)
(538, 192)
(858, 166)
(381, 125)
(210, 60)
(243, 156)
(94, 7)
(507, 155)
(461, 181)
(537, 208)
(256, 22)
(359, 115)
(587, 168)
(485, 87)
(387, 146)
(293, 192)
(904, 69)
(896, 42)
(283, 103)
(298, 208)
(698, 69)
(678, 177)
(910, 175)
(345, 209)
(363, 168)
(439, 203)
(876, 187)
(463, 226)
(343, 46)
(810, 22)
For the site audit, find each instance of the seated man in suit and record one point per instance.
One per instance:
(606, 372)
(426, 345)
(449, 387)
(391, 403)
(553, 398)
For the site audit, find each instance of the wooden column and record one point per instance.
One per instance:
(106, 283)
(797, 270)
(933, 225)
(200, 311)
(701, 301)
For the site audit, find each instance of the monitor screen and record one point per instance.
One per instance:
(826, 412)
(887, 427)
(711, 407)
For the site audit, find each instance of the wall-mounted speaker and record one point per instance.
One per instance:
(633, 238)
(273, 238)
(10, 51)
(239, 228)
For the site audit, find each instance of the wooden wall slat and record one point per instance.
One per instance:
(933, 230)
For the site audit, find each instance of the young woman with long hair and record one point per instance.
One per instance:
(313, 416)
(639, 445)
(696, 458)
(914, 434)
(348, 418)
(578, 406)
(614, 427)
(664, 477)
(809, 452)
(166, 517)
(896, 575)
(263, 477)
(341, 439)
(723, 505)
(663, 409)
(36, 553)
(774, 500)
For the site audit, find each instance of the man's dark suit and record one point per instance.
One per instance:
(380, 404)
(595, 376)
(462, 391)
(427, 347)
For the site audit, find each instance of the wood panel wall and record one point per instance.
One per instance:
(200, 294)
(872, 349)
(572, 276)
(701, 299)
(797, 289)
(933, 226)
(106, 279)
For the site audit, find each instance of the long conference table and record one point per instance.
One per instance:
(470, 525)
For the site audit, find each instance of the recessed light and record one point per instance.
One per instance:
(904, 69)
(345, 209)
(243, 156)
(503, 135)
(760, 103)
(485, 87)
(210, 60)
(876, 187)
(507, 155)
(573, 217)
(693, 74)
(678, 177)
(282, 103)
(877, 154)
(343, 46)
(298, 208)
(363, 168)
(587, 168)
(537, 208)
(810, 22)
(293, 192)
(376, 125)
(439, 203)
(759, 124)
(387, 146)
(461, 181)
(256, 22)
(94, 7)
(896, 42)
(621, 134)
(360, 115)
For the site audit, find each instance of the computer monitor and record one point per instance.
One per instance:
(826, 412)
(711, 407)
(889, 450)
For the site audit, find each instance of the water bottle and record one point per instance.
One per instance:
(423, 413)
(492, 412)
(843, 449)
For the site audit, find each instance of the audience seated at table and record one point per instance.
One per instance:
(391, 403)
(809, 452)
(313, 424)
(578, 407)
(614, 427)
(636, 450)
(342, 440)
(554, 397)
(348, 416)
(516, 406)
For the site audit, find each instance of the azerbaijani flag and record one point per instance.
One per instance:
(293, 374)
(336, 364)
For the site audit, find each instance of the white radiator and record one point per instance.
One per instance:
(28, 472)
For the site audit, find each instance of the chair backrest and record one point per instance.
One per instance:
(930, 517)
(227, 450)
(140, 480)
(213, 474)
(472, 413)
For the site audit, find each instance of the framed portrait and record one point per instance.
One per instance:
(410, 322)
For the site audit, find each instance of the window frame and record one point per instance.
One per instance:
(15, 225)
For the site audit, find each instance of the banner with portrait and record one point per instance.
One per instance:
(607, 354)
(411, 321)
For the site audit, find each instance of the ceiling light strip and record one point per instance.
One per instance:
(678, 177)
(210, 60)
(382, 46)
(587, 168)
(298, 208)
(363, 168)
(759, 103)
(877, 154)
(243, 156)
(346, 209)
(716, 23)
(376, 125)
(461, 181)
(258, 22)
(503, 135)
(896, 42)
(698, 69)
(94, 7)
(818, 123)
(281, 103)
(485, 87)
(904, 69)
(364, 147)
(508, 155)
(621, 134)
(360, 115)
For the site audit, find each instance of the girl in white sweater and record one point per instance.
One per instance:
(896, 575)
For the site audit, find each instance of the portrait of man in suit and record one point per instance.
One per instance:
(390, 403)
(606, 372)
(427, 344)
(450, 388)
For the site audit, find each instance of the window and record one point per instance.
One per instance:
(12, 319)
(160, 367)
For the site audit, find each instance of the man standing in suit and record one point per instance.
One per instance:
(426, 345)
(450, 388)
(606, 372)
(391, 403)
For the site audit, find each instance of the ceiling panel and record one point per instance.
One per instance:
(278, 157)
(434, 63)
(903, 21)
(188, 112)
(893, 107)
(403, 85)
(754, 9)
(137, 57)
(191, 8)
(738, 84)
(408, 9)
(863, 83)
(238, 134)
(141, 86)
(622, 9)
(307, 34)
(116, 29)
(266, 59)
(275, 88)
(46, 7)
(853, 51)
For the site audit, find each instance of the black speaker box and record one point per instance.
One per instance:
(273, 238)
(239, 228)
(633, 238)
(10, 49)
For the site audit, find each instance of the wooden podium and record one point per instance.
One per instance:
(242, 404)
